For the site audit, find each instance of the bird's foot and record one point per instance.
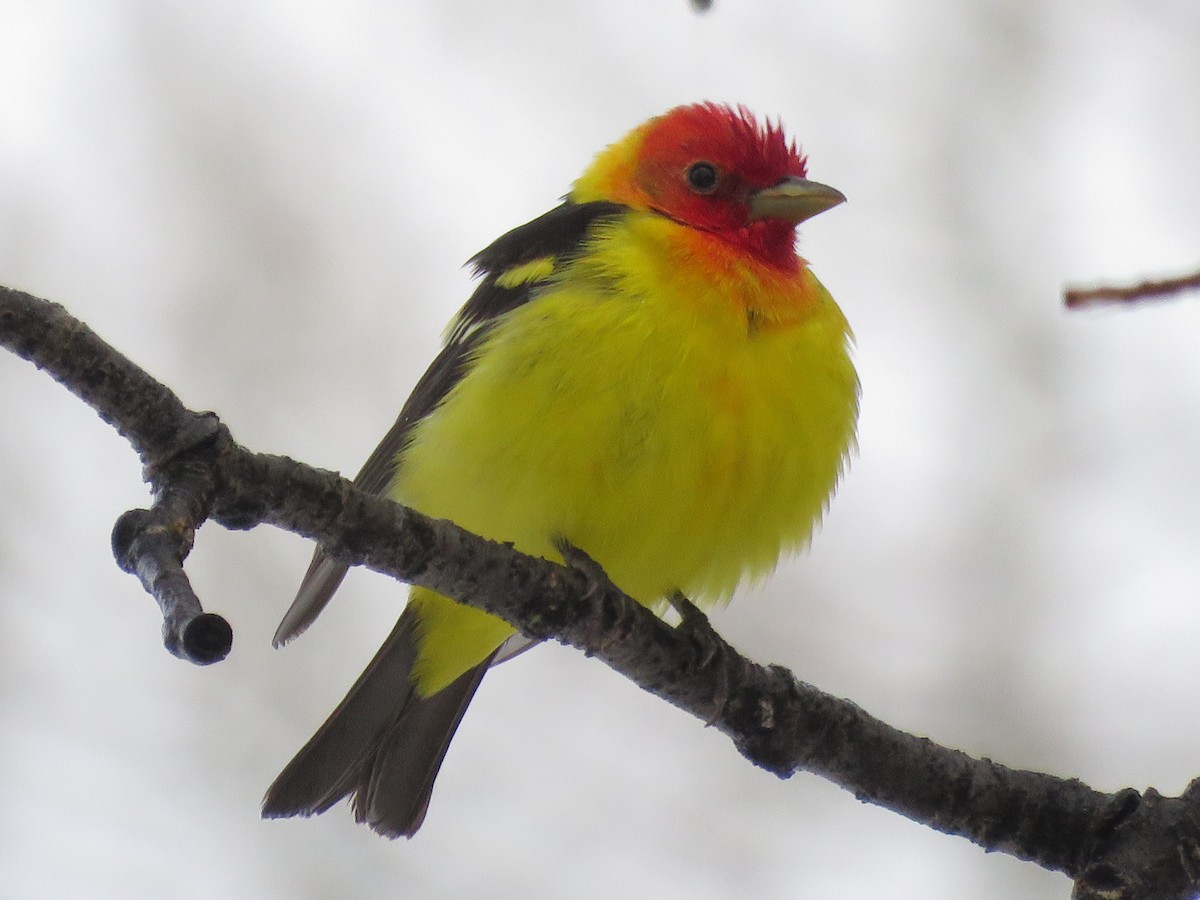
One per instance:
(710, 647)
(577, 559)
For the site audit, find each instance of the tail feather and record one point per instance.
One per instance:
(394, 790)
(383, 744)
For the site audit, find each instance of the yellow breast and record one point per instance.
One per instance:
(677, 415)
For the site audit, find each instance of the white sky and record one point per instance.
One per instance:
(267, 205)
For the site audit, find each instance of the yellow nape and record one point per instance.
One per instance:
(679, 415)
(612, 174)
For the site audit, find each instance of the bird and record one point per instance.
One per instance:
(650, 374)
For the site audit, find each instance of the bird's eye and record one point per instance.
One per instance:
(702, 177)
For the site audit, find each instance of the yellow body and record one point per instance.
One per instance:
(648, 372)
(678, 412)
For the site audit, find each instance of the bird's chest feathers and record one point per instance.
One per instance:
(665, 376)
(666, 432)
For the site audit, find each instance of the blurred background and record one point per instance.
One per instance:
(268, 204)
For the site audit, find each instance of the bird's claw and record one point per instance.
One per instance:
(577, 559)
(694, 623)
(711, 647)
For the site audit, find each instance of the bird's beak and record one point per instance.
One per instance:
(794, 200)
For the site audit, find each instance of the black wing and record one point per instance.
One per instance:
(554, 237)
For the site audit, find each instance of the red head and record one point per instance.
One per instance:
(716, 169)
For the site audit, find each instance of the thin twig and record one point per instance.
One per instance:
(1155, 289)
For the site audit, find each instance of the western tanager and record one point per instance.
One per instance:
(648, 372)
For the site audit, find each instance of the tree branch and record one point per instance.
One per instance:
(1152, 289)
(1121, 845)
